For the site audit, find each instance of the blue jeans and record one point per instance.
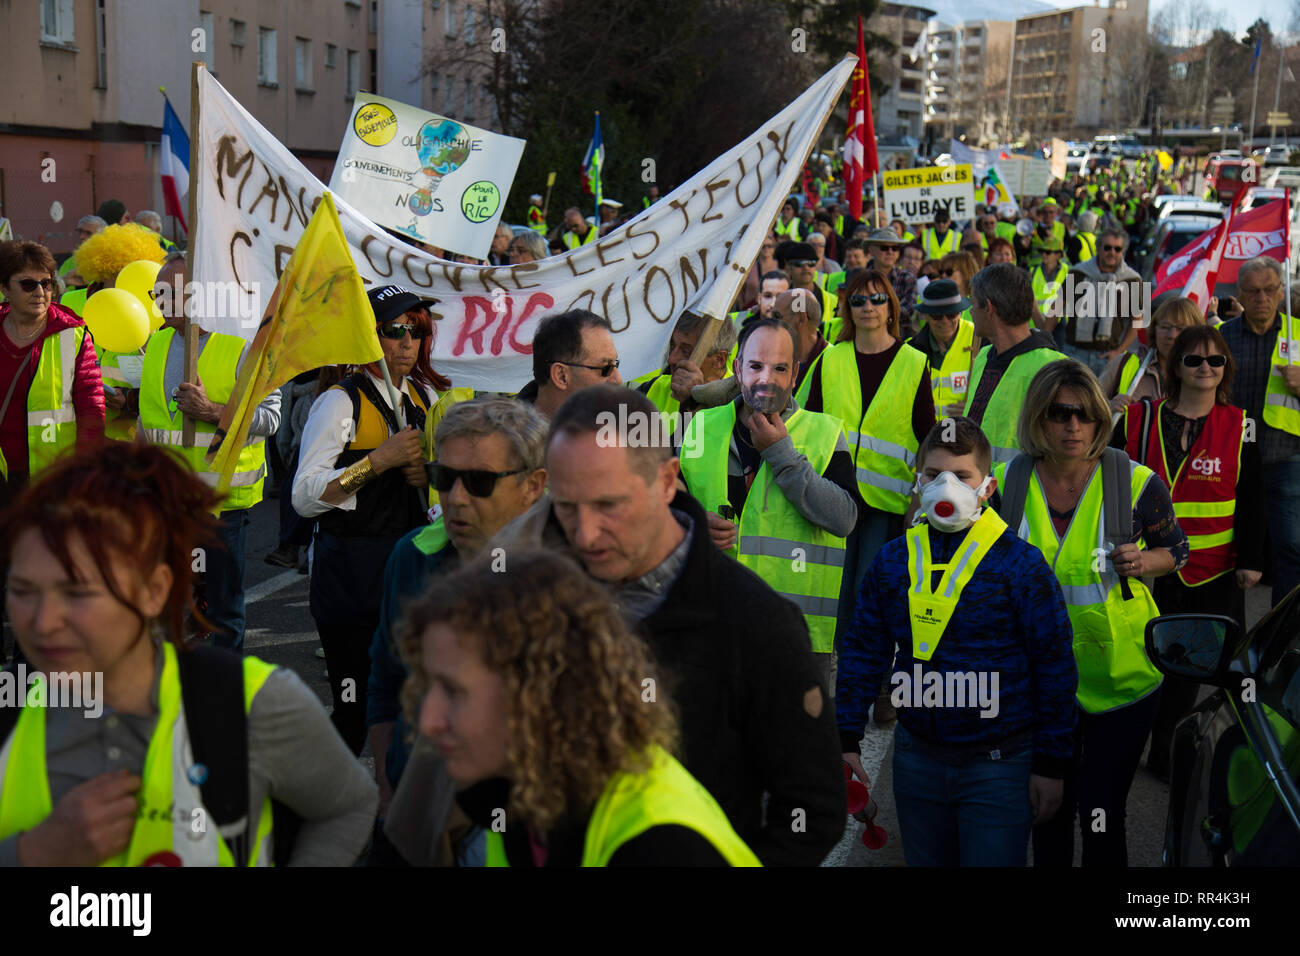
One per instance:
(1282, 492)
(973, 814)
(224, 582)
(1095, 360)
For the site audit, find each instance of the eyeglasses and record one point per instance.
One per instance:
(478, 483)
(31, 285)
(1060, 413)
(806, 263)
(875, 298)
(1215, 361)
(1112, 248)
(1245, 293)
(947, 272)
(398, 330)
(605, 370)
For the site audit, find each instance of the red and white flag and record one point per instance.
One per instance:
(1263, 231)
(860, 162)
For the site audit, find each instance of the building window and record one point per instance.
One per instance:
(354, 73)
(331, 56)
(470, 90)
(374, 71)
(302, 70)
(101, 46)
(267, 71)
(449, 18)
(374, 16)
(205, 24)
(449, 96)
(469, 25)
(236, 32)
(435, 80)
(56, 21)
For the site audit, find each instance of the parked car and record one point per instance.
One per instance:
(1234, 793)
(1258, 195)
(1166, 199)
(1074, 159)
(1167, 239)
(1276, 155)
(1200, 207)
(1288, 176)
(1227, 176)
(1101, 156)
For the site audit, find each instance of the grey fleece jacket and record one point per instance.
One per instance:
(1096, 321)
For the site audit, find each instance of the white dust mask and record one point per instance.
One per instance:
(949, 504)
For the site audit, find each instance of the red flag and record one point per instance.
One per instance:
(1176, 270)
(1261, 232)
(860, 160)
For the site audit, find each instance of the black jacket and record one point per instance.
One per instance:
(737, 661)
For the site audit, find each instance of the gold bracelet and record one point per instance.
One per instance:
(356, 475)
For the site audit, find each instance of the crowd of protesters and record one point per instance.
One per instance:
(907, 458)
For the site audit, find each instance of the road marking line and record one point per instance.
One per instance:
(271, 585)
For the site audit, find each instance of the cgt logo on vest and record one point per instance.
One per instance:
(1205, 466)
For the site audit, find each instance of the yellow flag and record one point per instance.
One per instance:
(318, 315)
(1164, 159)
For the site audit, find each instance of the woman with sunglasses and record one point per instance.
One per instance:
(1121, 382)
(880, 389)
(530, 686)
(100, 553)
(361, 475)
(1194, 440)
(1053, 494)
(43, 411)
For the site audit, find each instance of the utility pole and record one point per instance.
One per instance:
(1254, 98)
(1277, 94)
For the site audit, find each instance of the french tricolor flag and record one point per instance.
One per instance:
(175, 164)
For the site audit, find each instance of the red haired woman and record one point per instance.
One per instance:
(134, 772)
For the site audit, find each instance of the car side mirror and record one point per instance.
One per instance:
(1196, 647)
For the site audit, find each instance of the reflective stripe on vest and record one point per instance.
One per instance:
(948, 382)
(1002, 413)
(1204, 490)
(664, 794)
(931, 610)
(51, 416)
(881, 436)
(1281, 405)
(802, 562)
(170, 802)
(217, 365)
(1109, 631)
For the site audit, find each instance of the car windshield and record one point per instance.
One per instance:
(1230, 172)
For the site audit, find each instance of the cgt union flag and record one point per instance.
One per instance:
(1262, 231)
(860, 160)
(175, 164)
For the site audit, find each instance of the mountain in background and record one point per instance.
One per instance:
(953, 12)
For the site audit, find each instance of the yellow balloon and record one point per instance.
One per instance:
(138, 279)
(117, 320)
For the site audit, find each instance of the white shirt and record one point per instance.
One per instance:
(324, 437)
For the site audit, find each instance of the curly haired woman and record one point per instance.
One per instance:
(531, 688)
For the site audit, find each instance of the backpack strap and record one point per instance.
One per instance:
(1014, 491)
(212, 693)
(1144, 435)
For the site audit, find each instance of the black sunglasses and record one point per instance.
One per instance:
(478, 483)
(805, 263)
(1215, 361)
(398, 330)
(947, 272)
(1113, 248)
(31, 285)
(1060, 413)
(605, 370)
(876, 298)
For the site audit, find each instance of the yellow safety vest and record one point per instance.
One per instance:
(170, 803)
(572, 241)
(948, 382)
(930, 608)
(885, 445)
(1109, 631)
(74, 300)
(163, 422)
(802, 562)
(1002, 413)
(1045, 290)
(789, 229)
(1281, 405)
(118, 425)
(665, 794)
(936, 248)
(1087, 246)
(51, 416)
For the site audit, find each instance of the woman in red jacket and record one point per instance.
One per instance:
(51, 395)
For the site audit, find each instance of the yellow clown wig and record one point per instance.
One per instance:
(102, 256)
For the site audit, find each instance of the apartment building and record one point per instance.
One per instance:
(1070, 66)
(900, 112)
(965, 76)
(81, 118)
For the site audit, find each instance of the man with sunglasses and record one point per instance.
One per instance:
(490, 469)
(883, 249)
(571, 351)
(361, 475)
(799, 260)
(1102, 307)
(945, 338)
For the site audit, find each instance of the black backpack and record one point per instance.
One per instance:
(212, 693)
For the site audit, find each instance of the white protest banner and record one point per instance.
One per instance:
(914, 195)
(1023, 175)
(426, 176)
(688, 252)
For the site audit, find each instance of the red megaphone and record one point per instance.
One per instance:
(863, 809)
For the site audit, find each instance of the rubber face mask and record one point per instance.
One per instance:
(949, 504)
